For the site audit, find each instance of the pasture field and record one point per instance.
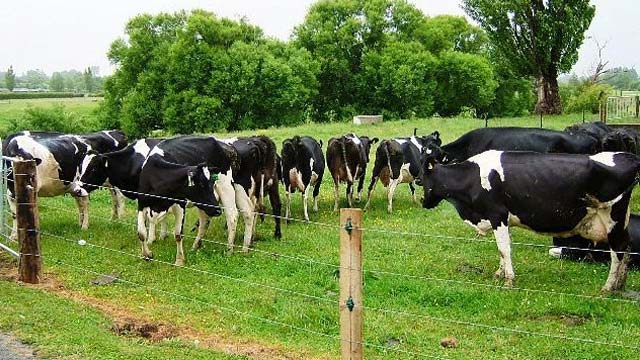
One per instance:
(13, 109)
(442, 283)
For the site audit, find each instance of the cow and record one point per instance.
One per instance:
(96, 142)
(519, 139)
(347, 158)
(558, 194)
(399, 161)
(178, 170)
(246, 186)
(595, 129)
(579, 248)
(622, 139)
(58, 162)
(303, 165)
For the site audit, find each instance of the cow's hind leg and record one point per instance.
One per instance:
(288, 209)
(619, 242)
(203, 223)
(179, 212)
(142, 233)
(503, 241)
(305, 196)
(117, 203)
(316, 192)
(372, 187)
(83, 211)
(350, 194)
(413, 192)
(245, 205)
(390, 192)
(360, 187)
(276, 207)
(336, 193)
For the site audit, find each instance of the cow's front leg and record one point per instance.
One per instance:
(203, 222)
(226, 193)
(305, 196)
(413, 192)
(276, 206)
(14, 227)
(83, 211)
(142, 233)
(245, 205)
(372, 187)
(117, 203)
(179, 212)
(503, 241)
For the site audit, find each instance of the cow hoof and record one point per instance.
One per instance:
(499, 274)
(555, 252)
(196, 246)
(148, 257)
(278, 235)
(245, 250)
(179, 262)
(508, 282)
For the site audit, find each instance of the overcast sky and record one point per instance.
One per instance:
(57, 35)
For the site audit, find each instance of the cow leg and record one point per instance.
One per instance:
(619, 242)
(245, 205)
(305, 195)
(350, 194)
(336, 194)
(413, 192)
(83, 211)
(288, 209)
(142, 233)
(226, 193)
(117, 203)
(390, 192)
(360, 187)
(163, 229)
(372, 187)
(179, 212)
(13, 207)
(276, 207)
(504, 247)
(316, 192)
(202, 229)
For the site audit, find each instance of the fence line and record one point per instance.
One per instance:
(390, 273)
(244, 314)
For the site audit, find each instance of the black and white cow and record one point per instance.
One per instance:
(519, 139)
(347, 158)
(59, 160)
(579, 248)
(245, 187)
(595, 129)
(178, 170)
(559, 194)
(302, 168)
(399, 161)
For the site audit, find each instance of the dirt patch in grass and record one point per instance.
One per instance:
(128, 323)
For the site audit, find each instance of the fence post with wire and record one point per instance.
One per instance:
(28, 220)
(351, 308)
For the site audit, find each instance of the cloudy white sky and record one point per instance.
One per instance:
(57, 35)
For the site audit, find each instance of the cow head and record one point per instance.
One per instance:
(230, 160)
(366, 143)
(429, 168)
(199, 189)
(620, 140)
(91, 175)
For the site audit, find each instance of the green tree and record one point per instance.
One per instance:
(464, 80)
(35, 79)
(87, 78)
(451, 33)
(56, 83)
(10, 79)
(538, 38)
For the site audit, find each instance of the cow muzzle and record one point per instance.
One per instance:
(77, 190)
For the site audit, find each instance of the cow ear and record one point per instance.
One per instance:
(320, 141)
(415, 131)
(436, 134)
(38, 161)
(374, 140)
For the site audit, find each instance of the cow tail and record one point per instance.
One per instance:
(346, 163)
(387, 144)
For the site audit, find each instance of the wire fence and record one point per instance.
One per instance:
(82, 243)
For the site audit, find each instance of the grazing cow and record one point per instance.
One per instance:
(178, 170)
(559, 194)
(303, 168)
(399, 161)
(256, 175)
(347, 157)
(58, 160)
(579, 248)
(622, 139)
(519, 139)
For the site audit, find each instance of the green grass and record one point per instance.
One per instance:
(427, 255)
(14, 109)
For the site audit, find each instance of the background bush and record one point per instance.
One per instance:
(37, 95)
(57, 118)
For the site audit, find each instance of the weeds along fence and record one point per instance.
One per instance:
(350, 303)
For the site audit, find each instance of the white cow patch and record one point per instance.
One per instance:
(405, 174)
(47, 172)
(355, 139)
(206, 172)
(605, 158)
(482, 227)
(141, 148)
(115, 142)
(488, 161)
(400, 141)
(156, 150)
(295, 179)
(311, 164)
(229, 141)
(415, 142)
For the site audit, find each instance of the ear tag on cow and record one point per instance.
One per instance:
(215, 177)
(190, 179)
(430, 166)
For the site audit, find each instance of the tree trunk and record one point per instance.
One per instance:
(548, 96)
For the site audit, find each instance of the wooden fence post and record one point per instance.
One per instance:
(28, 220)
(637, 98)
(351, 324)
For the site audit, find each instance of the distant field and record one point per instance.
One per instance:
(221, 296)
(13, 109)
